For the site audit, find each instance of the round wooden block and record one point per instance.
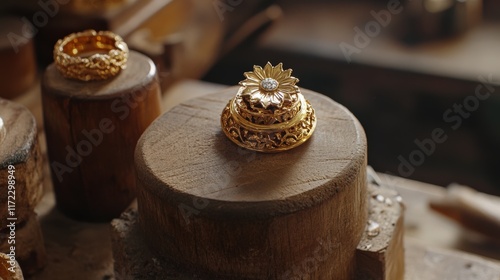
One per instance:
(19, 157)
(17, 55)
(231, 213)
(92, 129)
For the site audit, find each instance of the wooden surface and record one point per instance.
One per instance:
(82, 251)
(92, 129)
(261, 215)
(381, 256)
(18, 72)
(378, 256)
(431, 263)
(135, 261)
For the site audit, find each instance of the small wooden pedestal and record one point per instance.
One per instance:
(229, 213)
(92, 129)
(21, 159)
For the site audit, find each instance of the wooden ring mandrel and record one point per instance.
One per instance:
(236, 214)
(92, 129)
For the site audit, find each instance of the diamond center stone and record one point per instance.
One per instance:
(269, 84)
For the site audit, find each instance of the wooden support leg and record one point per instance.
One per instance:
(92, 129)
(380, 254)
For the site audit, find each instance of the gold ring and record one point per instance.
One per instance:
(269, 113)
(91, 55)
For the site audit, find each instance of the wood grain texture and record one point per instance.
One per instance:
(135, 261)
(20, 148)
(17, 55)
(92, 129)
(381, 257)
(236, 214)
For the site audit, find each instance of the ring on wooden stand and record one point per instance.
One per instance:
(91, 55)
(269, 113)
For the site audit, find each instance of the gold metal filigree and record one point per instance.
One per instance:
(91, 55)
(269, 113)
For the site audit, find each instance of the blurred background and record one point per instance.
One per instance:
(404, 68)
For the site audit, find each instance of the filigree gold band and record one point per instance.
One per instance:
(91, 55)
(260, 138)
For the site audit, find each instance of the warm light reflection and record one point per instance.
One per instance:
(436, 6)
(2, 130)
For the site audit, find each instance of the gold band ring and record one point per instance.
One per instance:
(91, 55)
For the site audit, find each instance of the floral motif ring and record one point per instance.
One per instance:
(269, 113)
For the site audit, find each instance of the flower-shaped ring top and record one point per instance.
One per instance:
(270, 87)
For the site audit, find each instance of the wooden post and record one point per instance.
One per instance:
(17, 55)
(20, 186)
(229, 213)
(92, 129)
(135, 261)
